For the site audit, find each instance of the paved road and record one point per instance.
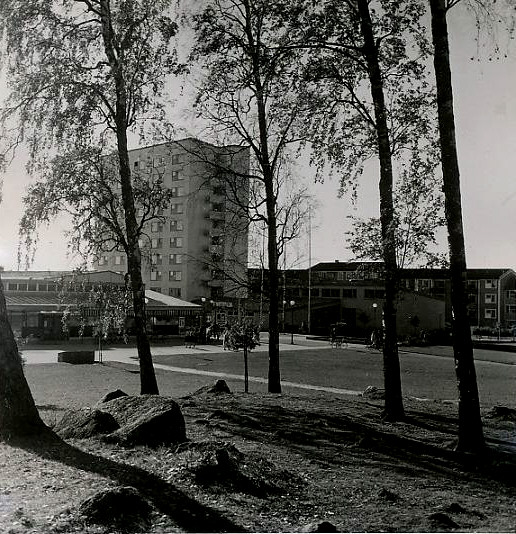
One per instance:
(426, 372)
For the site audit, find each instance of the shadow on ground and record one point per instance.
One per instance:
(188, 514)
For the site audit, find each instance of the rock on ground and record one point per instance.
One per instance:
(149, 420)
(122, 507)
(85, 423)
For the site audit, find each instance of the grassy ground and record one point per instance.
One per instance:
(297, 460)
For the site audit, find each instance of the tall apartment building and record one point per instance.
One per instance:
(199, 247)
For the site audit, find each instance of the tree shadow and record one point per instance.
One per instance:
(185, 512)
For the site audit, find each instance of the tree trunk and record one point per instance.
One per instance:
(274, 378)
(471, 435)
(18, 413)
(148, 383)
(246, 370)
(391, 366)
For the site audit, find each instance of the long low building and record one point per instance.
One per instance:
(37, 301)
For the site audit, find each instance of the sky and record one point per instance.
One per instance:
(485, 112)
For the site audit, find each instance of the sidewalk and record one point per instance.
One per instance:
(35, 354)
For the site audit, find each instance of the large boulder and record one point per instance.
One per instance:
(149, 420)
(85, 423)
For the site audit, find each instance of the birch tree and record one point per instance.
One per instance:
(366, 81)
(246, 97)
(89, 73)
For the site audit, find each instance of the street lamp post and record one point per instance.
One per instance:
(292, 303)
(374, 308)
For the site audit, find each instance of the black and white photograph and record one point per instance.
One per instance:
(257, 266)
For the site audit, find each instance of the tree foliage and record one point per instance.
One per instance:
(249, 98)
(419, 214)
(86, 185)
(88, 73)
(102, 305)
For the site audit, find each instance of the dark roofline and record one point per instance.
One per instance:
(192, 139)
(338, 265)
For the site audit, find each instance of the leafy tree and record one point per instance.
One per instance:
(418, 205)
(18, 413)
(87, 73)
(366, 78)
(471, 435)
(99, 304)
(246, 95)
(244, 335)
(86, 185)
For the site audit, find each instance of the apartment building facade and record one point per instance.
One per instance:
(353, 292)
(198, 248)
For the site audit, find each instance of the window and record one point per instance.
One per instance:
(22, 287)
(103, 260)
(176, 225)
(490, 298)
(52, 287)
(176, 208)
(374, 294)
(119, 260)
(155, 275)
(156, 226)
(175, 276)
(175, 292)
(177, 191)
(156, 242)
(491, 284)
(349, 293)
(175, 159)
(12, 287)
(176, 242)
(157, 259)
(157, 289)
(135, 165)
(510, 309)
(32, 287)
(175, 259)
(176, 175)
(511, 294)
(490, 313)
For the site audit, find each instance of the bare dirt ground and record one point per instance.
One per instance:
(263, 463)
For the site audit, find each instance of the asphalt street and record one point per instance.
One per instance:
(427, 373)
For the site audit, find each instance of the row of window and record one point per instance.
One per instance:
(346, 293)
(174, 225)
(30, 286)
(173, 259)
(158, 161)
(173, 276)
(157, 242)
(492, 313)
